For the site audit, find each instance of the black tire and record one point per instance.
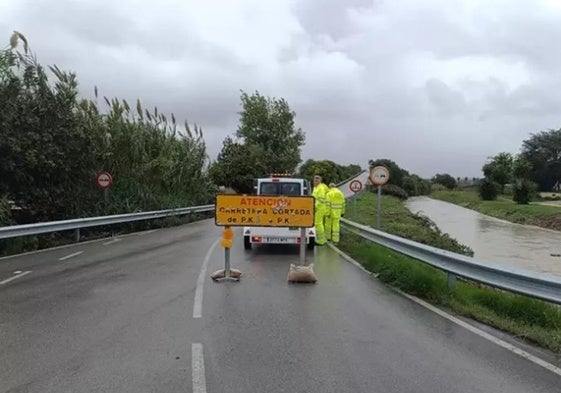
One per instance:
(246, 243)
(311, 244)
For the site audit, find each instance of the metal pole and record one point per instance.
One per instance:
(354, 207)
(227, 262)
(105, 200)
(451, 282)
(302, 246)
(379, 207)
(227, 259)
(77, 235)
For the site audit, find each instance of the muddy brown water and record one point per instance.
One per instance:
(494, 240)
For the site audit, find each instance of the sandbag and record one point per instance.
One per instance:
(301, 274)
(235, 273)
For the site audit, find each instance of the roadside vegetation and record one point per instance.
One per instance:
(533, 320)
(53, 143)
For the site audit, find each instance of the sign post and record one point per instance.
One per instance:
(104, 181)
(226, 242)
(355, 186)
(379, 176)
(264, 211)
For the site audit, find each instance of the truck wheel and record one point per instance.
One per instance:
(311, 244)
(246, 243)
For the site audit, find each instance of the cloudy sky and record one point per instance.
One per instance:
(437, 86)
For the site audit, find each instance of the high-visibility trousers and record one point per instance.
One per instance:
(320, 226)
(333, 227)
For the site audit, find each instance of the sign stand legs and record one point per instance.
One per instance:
(227, 240)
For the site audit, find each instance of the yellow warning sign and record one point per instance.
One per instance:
(264, 211)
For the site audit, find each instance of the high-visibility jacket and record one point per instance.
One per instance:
(336, 202)
(320, 194)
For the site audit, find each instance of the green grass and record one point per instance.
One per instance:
(536, 321)
(504, 208)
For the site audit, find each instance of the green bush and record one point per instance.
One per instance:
(523, 191)
(5, 211)
(414, 185)
(488, 190)
(391, 189)
(410, 186)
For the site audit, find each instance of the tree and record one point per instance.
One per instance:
(499, 169)
(350, 171)
(446, 180)
(268, 124)
(414, 185)
(329, 170)
(410, 186)
(521, 168)
(543, 152)
(237, 165)
(524, 189)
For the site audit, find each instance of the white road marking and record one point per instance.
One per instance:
(17, 272)
(112, 241)
(198, 304)
(15, 277)
(70, 256)
(198, 368)
(147, 232)
(471, 328)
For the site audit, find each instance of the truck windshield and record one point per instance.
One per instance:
(284, 188)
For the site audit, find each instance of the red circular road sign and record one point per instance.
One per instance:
(379, 175)
(355, 186)
(104, 180)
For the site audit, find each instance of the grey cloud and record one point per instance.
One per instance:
(444, 99)
(366, 78)
(328, 17)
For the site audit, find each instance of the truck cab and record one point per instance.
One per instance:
(279, 185)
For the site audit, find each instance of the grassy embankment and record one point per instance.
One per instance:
(533, 320)
(504, 208)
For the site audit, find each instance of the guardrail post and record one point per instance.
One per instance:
(77, 235)
(451, 282)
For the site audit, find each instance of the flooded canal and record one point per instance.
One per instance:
(492, 239)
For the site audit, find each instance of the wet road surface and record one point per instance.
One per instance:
(119, 318)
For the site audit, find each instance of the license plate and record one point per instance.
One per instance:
(280, 240)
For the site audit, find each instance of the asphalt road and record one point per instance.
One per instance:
(118, 317)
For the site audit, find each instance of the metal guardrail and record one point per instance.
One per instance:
(78, 223)
(540, 286)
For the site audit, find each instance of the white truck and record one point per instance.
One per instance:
(281, 186)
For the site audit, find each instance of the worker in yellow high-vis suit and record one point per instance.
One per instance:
(321, 209)
(336, 203)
